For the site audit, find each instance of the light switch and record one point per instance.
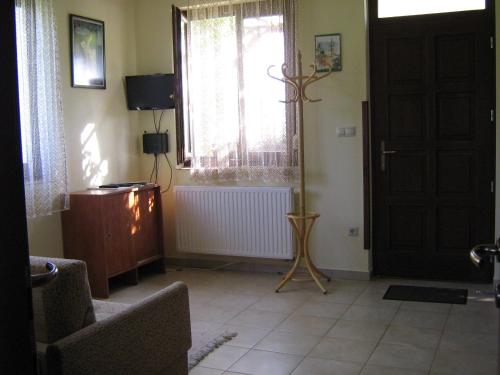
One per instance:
(346, 132)
(350, 132)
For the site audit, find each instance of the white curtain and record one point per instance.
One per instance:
(42, 131)
(238, 129)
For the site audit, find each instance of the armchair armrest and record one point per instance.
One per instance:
(146, 338)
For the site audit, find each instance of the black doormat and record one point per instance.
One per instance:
(426, 294)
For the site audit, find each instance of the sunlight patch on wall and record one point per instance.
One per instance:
(94, 168)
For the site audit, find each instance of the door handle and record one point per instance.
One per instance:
(383, 155)
(497, 295)
(480, 253)
(42, 279)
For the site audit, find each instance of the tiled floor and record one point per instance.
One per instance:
(349, 331)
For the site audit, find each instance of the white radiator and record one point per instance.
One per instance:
(238, 221)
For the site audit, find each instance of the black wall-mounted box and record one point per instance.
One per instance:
(153, 143)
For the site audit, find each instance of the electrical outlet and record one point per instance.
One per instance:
(353, 232)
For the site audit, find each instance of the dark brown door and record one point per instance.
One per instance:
(433, 138)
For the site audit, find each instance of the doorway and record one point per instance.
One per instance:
(432, 81)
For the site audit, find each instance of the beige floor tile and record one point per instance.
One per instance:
(289, 343)
(200, 327)
(471, 342)
(443, 308)
(278, 303)
(357, 330)
(482, 304)
(369, 314)
(232, 300)
(307, 288)
(323, 310)
(420, 319)
(258, 319)
(461, 363)
(258, 362)
(377, 286)
(376, 300)
(247, 336)
(319, 366)
(200, 298)
(474, 323)
(474, 308)
(198, 370)
(223, 357)
(224, 300)
(345, 296)
(382, 370)
(343, 350)
(418, 337)
(402, 356)
(307, 325)
(298, 291)
(214, 314)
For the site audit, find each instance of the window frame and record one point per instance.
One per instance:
(179, 24)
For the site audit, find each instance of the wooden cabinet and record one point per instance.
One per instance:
(114, 231)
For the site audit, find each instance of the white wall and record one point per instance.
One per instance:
(101, 134)
(333, 165)
(139, 40)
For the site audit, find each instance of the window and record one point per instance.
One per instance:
(42, 132)
(24, 94)
(397, 8)
(231, 122)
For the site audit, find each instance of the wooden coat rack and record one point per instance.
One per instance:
(301, 221)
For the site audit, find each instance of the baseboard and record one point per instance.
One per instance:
(253, 266)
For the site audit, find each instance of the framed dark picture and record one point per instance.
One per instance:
(88, 65)
(328, 52)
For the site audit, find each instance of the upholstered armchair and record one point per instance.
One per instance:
(76, 335)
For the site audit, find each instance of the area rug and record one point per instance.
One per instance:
(204, 344)
(426, 294)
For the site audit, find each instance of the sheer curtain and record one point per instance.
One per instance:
(42, 131)
(238, 129)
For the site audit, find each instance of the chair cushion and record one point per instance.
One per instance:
(63, 306)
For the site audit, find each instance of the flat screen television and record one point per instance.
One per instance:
(153, 91)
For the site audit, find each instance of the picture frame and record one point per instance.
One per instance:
(328, 51)
(87, 48)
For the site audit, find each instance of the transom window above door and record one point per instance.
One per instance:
(399, 8)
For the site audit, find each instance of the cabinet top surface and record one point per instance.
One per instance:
(113, 191)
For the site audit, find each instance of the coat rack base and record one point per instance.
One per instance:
(302, 225)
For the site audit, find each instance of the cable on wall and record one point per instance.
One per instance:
(171, 173)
